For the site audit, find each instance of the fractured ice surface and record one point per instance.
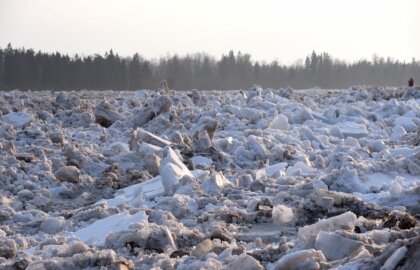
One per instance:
(258, 179)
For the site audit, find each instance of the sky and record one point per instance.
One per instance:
(267, 29)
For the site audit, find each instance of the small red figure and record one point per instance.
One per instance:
(411, 82)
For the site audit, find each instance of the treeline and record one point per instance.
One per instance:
(26, 69)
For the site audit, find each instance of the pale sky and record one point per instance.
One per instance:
(267, 29)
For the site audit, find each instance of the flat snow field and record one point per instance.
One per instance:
(249, 179)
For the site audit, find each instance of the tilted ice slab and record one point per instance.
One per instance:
(96, 233)
(135, 195)
(171, 171)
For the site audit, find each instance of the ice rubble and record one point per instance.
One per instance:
(258, 179)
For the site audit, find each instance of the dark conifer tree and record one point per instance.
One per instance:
(23, 69)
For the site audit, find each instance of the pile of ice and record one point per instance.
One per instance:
(258, 179)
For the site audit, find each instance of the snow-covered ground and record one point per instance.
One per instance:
(256, 179)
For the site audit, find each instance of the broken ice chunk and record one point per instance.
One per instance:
(397, 133)
(308, 234)
(282, 214)
(307, 134)
(406, 123)
(349, 182)
(301, 167)
(105, 115)
(140, 135)
(215, 184)
(201, 160)
(18, 119)
(275, 169)
(245, 262)
(97, 232)
(302, 259)
(335, 246)
(68, 174)
(279, 122)
(349, 129)
(395, 258)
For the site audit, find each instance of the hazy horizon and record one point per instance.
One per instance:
(271, 30)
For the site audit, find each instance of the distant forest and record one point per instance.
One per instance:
(24, 69)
